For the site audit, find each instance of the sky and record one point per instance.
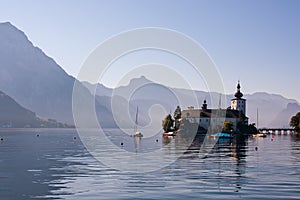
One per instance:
(256, 42)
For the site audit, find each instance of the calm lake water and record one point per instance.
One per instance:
(55, 165)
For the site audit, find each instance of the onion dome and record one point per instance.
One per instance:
(238, 93)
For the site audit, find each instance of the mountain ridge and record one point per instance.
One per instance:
(13, 115)
(38, 83)
(35, 80)
(269, 105)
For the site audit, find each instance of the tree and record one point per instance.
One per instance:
(247, 129)
(177, 113)
(252, 129)
(227, 126)
(167, 123)
(177, 117)
(295, 122)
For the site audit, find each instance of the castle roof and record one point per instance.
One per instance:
(238, 94)
(211, 113)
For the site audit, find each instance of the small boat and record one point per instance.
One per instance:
(169, 134)
(136, 132)
(222, 135)
(259, 135)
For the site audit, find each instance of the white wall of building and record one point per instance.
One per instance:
(239, 104)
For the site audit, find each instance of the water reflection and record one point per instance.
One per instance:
(27, 162)
(225, 165)
(137, 141)
(295, 137)
(54, 166)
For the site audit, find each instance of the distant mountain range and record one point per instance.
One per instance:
(39, 84)
(36, 81)
(273, 110)
(283, 118)
(13, 115)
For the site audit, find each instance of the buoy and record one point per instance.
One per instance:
(1, 139)
(272, 138)
(121, 143)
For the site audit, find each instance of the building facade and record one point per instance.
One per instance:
(235, 114)
(238, 103)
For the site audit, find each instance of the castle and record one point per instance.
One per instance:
(235, 114)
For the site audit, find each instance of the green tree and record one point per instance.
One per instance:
(247, 129)
(167, 123)
(177, 113)
(295, 122)
(227, 126)
(252, 129)
(177, 117)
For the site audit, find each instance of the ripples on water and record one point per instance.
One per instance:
(57, 166)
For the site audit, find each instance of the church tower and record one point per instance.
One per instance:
(204, 105)
(238, 103)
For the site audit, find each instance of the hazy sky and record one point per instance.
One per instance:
(257, 42)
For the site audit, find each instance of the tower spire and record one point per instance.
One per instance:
(238, 93)
(238, 103)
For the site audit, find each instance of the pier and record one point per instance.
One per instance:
(277, 131)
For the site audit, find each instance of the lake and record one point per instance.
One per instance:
(54, 164)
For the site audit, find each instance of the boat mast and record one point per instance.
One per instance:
(257, 118)
(220, 95)
(136, 119)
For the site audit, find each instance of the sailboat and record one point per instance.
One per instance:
(136, 133)
(258, 134)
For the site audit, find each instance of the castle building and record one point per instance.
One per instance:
(238, 103)
(236, 113)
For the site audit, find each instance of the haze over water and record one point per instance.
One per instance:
(55, 165)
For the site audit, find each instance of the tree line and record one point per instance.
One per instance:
(295, 122)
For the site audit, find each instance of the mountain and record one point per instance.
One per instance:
(36, 81)
(283, 118)
(146, 94)
(140, 92)
(269, 106)
(32, 78)
(101, 90)
(14, 115)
